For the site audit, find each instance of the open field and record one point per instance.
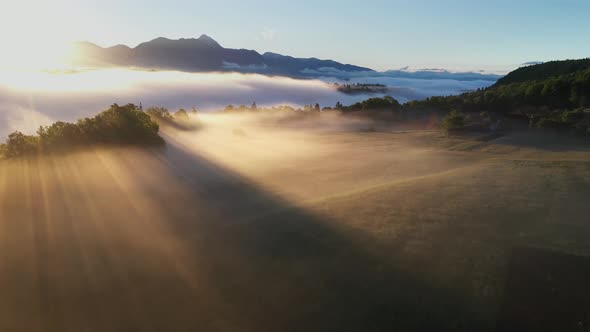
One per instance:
(249, 227)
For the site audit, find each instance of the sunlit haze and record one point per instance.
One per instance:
(462, 34)
(294, 166)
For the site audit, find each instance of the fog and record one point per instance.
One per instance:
(316, 219)
(31, 99)
(422, 88)
(183, 238)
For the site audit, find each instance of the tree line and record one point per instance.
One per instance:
(375, 104)
(118, 125)
(555, 95)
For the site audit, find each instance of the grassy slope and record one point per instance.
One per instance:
(349, 231)
(456, 229)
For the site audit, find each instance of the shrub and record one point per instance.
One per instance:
(571, 117)
(547, 122)
(453, 121)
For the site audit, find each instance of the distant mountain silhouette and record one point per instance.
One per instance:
(204, 54)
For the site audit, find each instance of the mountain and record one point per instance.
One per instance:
(308, 67)
(204, 54)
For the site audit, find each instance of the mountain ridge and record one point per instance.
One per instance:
(202, 54)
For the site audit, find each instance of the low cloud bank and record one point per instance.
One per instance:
(28, 100)
(424, 74)
(409, 85)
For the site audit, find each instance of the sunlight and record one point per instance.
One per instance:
(28, 57)
(253, 165)
(115, 79)
(35, 34)
(68, 80)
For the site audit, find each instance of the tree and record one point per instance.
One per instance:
(159, 113)
(181, 114)
(453, 121)
(124, 125)
(533, 93)
(58, 135)
(386, 103)
(116, 125)
(253, 107)
(19, 144)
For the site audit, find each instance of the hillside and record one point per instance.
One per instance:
(554, 94)
(284, 229)
(544, 71)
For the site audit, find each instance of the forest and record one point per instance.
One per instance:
(550, 95)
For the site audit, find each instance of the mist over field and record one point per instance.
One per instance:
(315, 220)
(416, 88)
(294, 166)
(28, 100)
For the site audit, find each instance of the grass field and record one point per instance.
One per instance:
(244, 226)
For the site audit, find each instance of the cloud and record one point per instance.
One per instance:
(268, 34)
(28, 101)
(43, 98)
(249, 68)
(423, 88)
(531, 63)
(423, 74)
(20, 117)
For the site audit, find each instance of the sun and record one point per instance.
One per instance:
(47, 56)
(34, 35)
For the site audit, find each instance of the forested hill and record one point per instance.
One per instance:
(554, 94)
(544, 71)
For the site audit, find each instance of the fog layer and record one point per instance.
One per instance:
(28, 100)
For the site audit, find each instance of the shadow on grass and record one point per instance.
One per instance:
(282, 268)
(167, 240)
(545, 139)
(546, 291)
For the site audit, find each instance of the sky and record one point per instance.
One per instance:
(391, 34)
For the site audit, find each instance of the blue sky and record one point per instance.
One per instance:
(378, 34)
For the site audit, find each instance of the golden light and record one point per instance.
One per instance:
(35, 35)
(30, 57)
